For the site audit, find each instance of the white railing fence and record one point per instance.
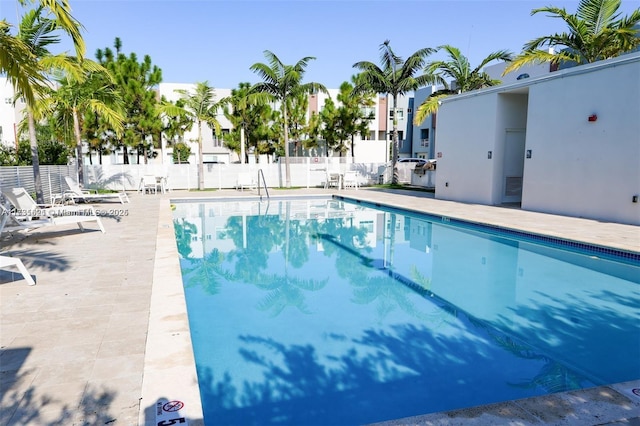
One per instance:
(308, 174)
(52, 178)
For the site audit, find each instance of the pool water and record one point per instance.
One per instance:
(324, 312)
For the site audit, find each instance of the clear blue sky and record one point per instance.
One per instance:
(218, 40)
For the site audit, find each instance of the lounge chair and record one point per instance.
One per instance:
(75, 193)
(245, 181)
(6, 261)
(30, 213)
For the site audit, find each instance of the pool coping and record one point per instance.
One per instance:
(169, 369)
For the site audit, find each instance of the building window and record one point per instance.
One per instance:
(424, 137)
(219, 141)
(8, 100)
(368, 113)
(400, 114)
(400, 135)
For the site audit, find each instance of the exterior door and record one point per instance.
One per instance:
(513, 165)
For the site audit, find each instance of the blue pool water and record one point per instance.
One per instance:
(323, 312)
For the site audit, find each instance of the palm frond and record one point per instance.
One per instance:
(428, 107)
(19, 64)
(61, 9)
(598, 14)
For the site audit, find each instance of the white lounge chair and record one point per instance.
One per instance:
(76, 193)
(245, 180)
(27, 210)
(6, 261)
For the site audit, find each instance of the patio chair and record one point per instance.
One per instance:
(75, 193)
(245, 180)
(332, 179)
(30, 213)
(351, 179)
(149, 184)
(6, 261)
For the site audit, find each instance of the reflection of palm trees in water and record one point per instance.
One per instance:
(371, 285)
(264, 234)
(184, 233)
(205, 271)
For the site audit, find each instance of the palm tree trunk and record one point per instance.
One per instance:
(286, 145)
(76, 133)
(200, 158)
(353, 154)
(394, 152)
(35, 159)
(242, 154)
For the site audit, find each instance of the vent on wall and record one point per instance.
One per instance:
(513, 186)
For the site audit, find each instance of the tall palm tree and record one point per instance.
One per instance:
(20, 64)
(457, 68)
(37, 33)
(395, 77)
(595, 32)
(283, 82)
(200, 107)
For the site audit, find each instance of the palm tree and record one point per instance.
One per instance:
(283, 82)
(200, 107)
(36, 33)
(457, 69)
(395, 77)
(17, 60)
(240, 114)
(596, 32)
(85, 86)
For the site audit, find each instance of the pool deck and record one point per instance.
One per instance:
(103, 335)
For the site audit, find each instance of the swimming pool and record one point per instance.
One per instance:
(326, 312)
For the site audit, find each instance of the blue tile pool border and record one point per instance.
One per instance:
(604, 251)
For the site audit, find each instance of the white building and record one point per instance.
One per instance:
(213, 149)
(10, 115)
(566, 143)
(368, 149)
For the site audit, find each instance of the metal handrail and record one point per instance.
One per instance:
(266, 190)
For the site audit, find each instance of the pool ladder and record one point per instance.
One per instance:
(264, 182)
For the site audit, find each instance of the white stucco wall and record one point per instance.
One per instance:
(581, 168)
(577, 167)
(466, 132)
